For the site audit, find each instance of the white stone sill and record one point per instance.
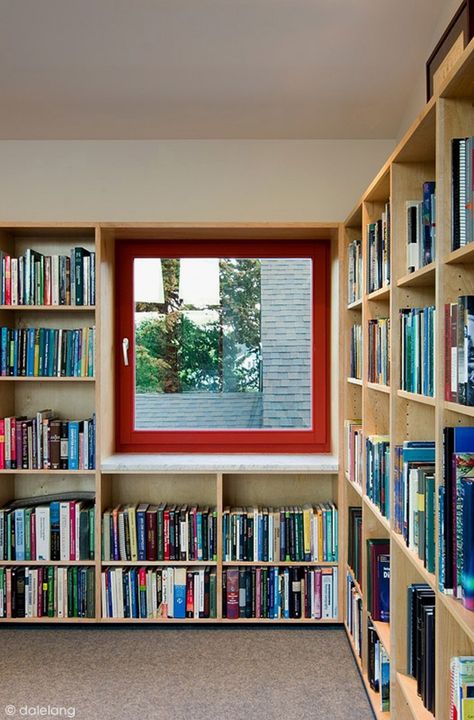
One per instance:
(225, 463)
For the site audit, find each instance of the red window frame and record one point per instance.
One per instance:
(313, 440)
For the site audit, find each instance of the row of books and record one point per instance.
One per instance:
(462, 188)
(378, 472)
(462, 687)
(379, 351)
(378, 667)
(421, 641)
(354, 444)
(296, 533)
(62, 530)
(417, 331)
(354, 271)
(378, 579)
(456, 513)
(280, 592)
(47, 352)
(378, 252)
(356, 352)
(459, 351)
(37, 279)
(421, 228)
(55, 592)
(354, 612)
(415, 498)
(167, 592)
(159, 532)
(45, 442)
(354, 548)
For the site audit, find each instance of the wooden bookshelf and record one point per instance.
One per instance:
(423, 154)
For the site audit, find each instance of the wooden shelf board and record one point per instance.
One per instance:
(261, 621)
(358, 587)
(383, 632)
(408, 688)
(461, 256)
(356, 305)
(42, 563)
(464, 617)
(374, 697)
(49, 308)
(382, 293)
(25, 621)
(21, 378)
(424, 277)
(379, 387)
(353, 485)
(354, 381)
(283, 563)
(457, 408)
(376, 513)
(428, 577)
(416, 397)
(47, 472)
(158, 563)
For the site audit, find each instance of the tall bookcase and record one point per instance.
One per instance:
(215, 481)
(423, 154)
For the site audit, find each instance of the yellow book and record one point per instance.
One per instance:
(468, 709)
(36, 355)
(132, 524)
(320, 534)
(307, 513)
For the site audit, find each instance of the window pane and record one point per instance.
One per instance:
(222, 343)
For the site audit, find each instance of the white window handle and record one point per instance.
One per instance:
(125, 350)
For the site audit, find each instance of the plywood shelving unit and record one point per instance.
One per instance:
(423, 154)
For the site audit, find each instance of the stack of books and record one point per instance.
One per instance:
(280, 592)
(462, 223)
(47, 591)
(415, 498)
(378, 667)
(167, 592)
(456, 513)
(45, 442)
(141, 532)
(421, 641)
(356, 352)
(462, 687)
(37, 279)
(47, 352)
(459, 351)
(354, 547)
(378, 472)
(421, 229)
(295, 533)
(378, 579)
(378, 252)
(354, 613)
(417, 366)
(379, 351)
(354, 444)
(354, 271)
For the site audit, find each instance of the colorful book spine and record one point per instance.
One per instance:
(379, 351)
(417, 366)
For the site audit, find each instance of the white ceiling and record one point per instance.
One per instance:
(210, 68)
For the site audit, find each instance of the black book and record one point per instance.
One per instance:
(241, 592)
(253, 581)
(423, 598)
(455, 203)
(248, 593)
(64, 447)
(295, 592)
(429, 659)
(19, 592)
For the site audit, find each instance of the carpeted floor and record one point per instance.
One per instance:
(238, 673)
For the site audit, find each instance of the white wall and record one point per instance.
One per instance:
(187, 180)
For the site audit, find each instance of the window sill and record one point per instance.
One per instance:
(242, 463)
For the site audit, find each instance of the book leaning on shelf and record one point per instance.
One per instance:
(161, 532)
(462, 687)
(37, 279)
(421, 641)
(378, 472)
(167, 592)
(417, 366)
(379, 351)
(459, 351)
(354, 613)
(61, 530)
(356, 352)
(378, 252)
(421, 229)
(354, 546)
(47, 352)
(354, 271)
(280, 593)
(47, 591)
(354, 444)
(462, 192)
(293, 533)
(378, 667)
(415, 498)
(456, 515)
(378, 579)
(45, 442)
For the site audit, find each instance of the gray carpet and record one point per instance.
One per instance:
(237, 673)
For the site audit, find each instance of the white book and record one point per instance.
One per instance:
(14, 281)
(34, 591)
(271, 530)
(335, 593)
(43, 533)
(164, 584)
(8, 446)
(64, 530)
(327, 596)
(55, 279)
(119, 583)
(201, 590)
(170, 591)
(149, 593)
(60, 593)
(196, 583)
(85, 453)
(154, 596)
(78, 507)
(105, 604)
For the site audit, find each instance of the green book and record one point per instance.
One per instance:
(90, 592)
(50, 575)
(92, 533)
(27, 531)
(430, 524)
(212, 595)
(75, 592)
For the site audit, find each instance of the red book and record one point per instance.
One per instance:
(8, 574)
(151, 520)
(189, 594)
(232, 593)
(317, 593)
(2, 443)
(13, 443)
(40, 591)
(8, 280)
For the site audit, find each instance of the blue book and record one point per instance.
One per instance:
(20, 534)
(73, 445)
(428, 222)
(141, 531)
(199, 534)
(126, 594)
(55, 529)
(179, 595)
(468, 542)
(286, 584)
(276, 601)
(30, 352)
(134, 592)
(260, 537)
(383, 572)
(271, 593)
(4, 350)
(109, 592)
(15, 353)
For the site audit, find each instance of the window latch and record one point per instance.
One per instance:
(125, 351)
